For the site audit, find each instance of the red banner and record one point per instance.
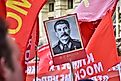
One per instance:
(21, 18)
(45, 59)
(88, 27)
(102, 44)
(83, 68)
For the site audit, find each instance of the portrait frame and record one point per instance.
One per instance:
(71, 55)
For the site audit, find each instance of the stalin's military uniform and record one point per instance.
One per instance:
(71, 45)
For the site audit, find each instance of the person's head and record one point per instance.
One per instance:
(10, 69)
(62, 29)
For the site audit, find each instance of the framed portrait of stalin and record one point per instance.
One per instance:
(64, 38)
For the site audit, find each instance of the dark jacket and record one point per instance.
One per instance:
(75, 44)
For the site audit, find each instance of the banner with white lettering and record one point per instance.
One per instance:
(83, 68)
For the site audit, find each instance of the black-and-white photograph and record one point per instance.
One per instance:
(63, 35)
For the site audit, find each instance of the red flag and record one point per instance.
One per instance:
(43, 63)
(21, 18)
(2, 9)
(45, 59)
(30, 54)
(33, 42)
(89, 14)
(102, 43)
(89, 10)
(87, 30)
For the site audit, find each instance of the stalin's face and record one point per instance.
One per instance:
(63, 32)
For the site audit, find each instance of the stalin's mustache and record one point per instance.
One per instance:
(65, 34)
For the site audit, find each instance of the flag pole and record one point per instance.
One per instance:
(71, 71)
(36, 48)
(119, 70)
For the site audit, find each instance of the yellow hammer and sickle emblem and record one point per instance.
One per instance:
(86, 3)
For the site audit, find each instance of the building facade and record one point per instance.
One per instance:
(117, 20)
